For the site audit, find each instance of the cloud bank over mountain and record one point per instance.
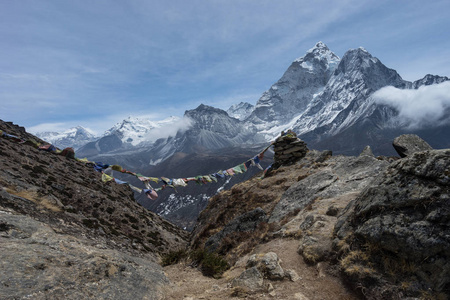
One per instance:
(170, 129)
(421, 107)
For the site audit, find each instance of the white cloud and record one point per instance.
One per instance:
(47, 127)
(171, 128)
(428, 105)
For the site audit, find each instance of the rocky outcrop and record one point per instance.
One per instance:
(393, 239)
(260, 267)
(407, 144)
(248, 196)
(340, 175)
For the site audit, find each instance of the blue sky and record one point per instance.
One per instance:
(94, 63)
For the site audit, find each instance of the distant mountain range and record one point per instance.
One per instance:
(74, 137)
(328, 101)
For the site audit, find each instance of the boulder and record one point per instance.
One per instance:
(251, 278)
(408, 144)
(268, 264)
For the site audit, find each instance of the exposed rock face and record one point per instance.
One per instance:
(39, 262)
(66, 235)
(407, 144)
(341, 175)
(251, 195)
(397, 231)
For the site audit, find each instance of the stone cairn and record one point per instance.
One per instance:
(288, 150)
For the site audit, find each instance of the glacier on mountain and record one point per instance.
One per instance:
(134, 130)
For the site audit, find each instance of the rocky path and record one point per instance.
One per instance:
(314, 282)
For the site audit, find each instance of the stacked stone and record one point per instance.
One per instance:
(288, 150)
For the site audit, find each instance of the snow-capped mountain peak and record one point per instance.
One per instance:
(74, 137)
(291, 95)
(319, 52)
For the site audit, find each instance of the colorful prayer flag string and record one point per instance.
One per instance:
(149, 190)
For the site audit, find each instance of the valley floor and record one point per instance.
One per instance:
(317, 282)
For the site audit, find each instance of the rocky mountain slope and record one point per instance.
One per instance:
(291, 94)
(365, 227)
(65, 234)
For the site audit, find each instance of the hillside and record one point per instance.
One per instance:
(67, 235)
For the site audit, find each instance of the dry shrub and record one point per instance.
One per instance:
(211, 264)
(174, 257)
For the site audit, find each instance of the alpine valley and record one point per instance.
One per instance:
(330, 102)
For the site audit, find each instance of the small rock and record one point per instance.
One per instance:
(292, 275)
(332, 211)
(321, 269)
(269, 287)
(267, 264)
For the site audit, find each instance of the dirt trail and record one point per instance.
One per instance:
(315, 283)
